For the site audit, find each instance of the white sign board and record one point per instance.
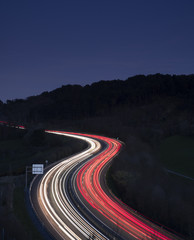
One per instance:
(37, 168)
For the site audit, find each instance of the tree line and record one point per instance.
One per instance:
(98, 99)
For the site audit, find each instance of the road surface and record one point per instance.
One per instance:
(73, 202)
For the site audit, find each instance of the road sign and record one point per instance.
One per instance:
(37, 168)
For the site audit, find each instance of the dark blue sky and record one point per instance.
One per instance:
(47, 44)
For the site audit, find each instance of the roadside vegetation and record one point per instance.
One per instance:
(177, 154)
(139, 180)
(19, 208)
(18, 149)
(21, 148)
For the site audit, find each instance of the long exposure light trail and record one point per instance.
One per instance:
(57, 209)
(88, 182)
(75, 186)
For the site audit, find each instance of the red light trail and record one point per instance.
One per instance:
(88, 182)
(83, 176)
(51, 197)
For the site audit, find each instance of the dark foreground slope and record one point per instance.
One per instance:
(18, 149)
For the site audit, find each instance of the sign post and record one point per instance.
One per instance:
(35, 169)
(28, 169)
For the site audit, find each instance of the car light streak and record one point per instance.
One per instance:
(54, 203)
(61, 215)
(88, 182)
(66, 219)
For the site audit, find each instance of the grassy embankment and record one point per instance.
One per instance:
(140, 181)
(177, 154)
(16, 152)
(22, 215)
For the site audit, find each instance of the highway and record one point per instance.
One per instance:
(73, 202)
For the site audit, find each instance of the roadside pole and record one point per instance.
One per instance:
(35, 169)
(28, 169)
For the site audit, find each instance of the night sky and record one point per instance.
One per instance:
(47, 44)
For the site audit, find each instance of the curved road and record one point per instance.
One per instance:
(73, 201)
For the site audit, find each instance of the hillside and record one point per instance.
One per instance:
(142, 111)
(72, 102)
